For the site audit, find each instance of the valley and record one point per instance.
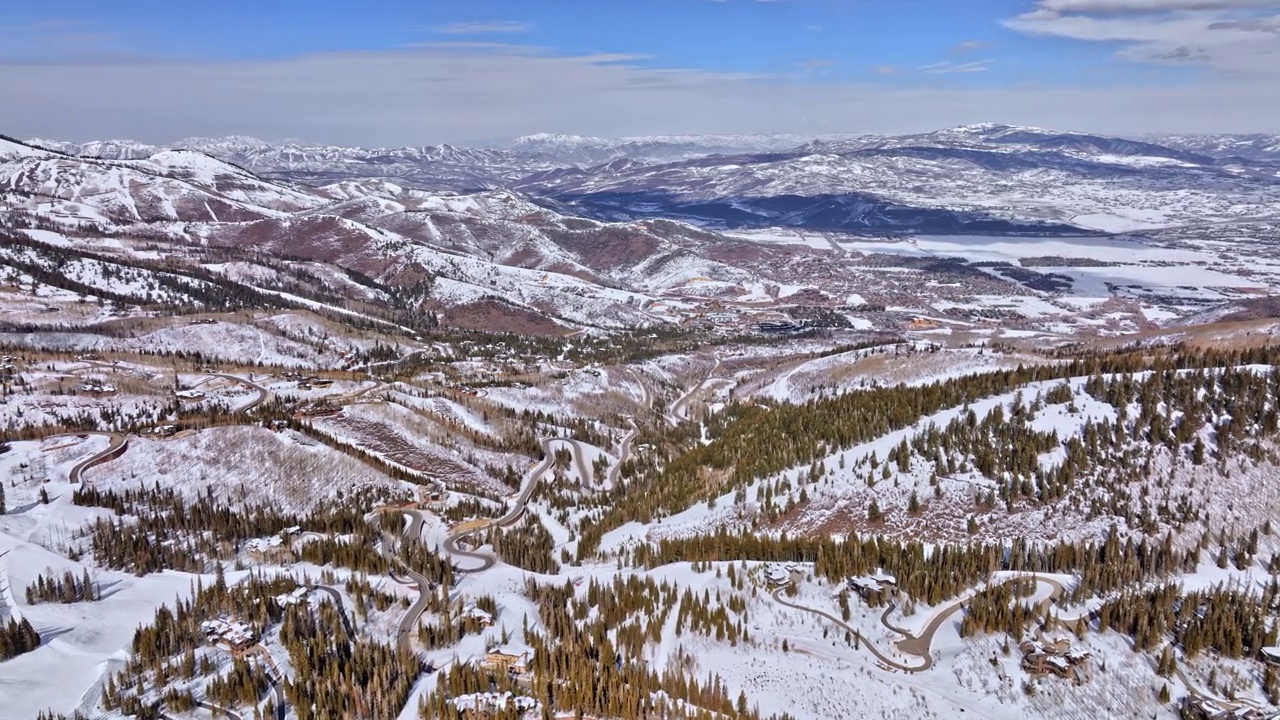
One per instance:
(980, 422)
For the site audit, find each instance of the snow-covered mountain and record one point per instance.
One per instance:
(1257, 147)
(575, 150)
(973, 179)
(985, 178)
(493, 249)
(438, 167)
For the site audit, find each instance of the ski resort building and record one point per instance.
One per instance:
(231, 634)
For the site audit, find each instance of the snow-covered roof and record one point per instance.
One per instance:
(298, 596)
(264, 544)
(236, 633)
(472, 611)
(514, 650)
(494, 701)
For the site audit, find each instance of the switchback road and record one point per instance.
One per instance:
(917, 645)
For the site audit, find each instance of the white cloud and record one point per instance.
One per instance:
(948, 66)
(969, 46)
(437, 94)
(484, 28)
(1132, 6)
(1230, 36)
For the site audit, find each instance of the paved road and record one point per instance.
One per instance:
(516, 512)
(118, 445)
(263, 393)
(647, 402)
(679, 409)
(423, 586)
(342, 610)
(214, 709)
(580, 460)
(918, 645)
(624, 453)
(777, 595)
(274, 676)
(409, 623)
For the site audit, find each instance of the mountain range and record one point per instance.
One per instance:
(985, 178)
(565, 231)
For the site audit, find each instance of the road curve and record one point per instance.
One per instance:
(263, 393)
(864, 642)
(117, 447)
(919, 645)
(516, 512)
(410, 620)
(423, 586)
(342, 610)
(214, 709)
(411, 616)
(676, 415)
(624, 454)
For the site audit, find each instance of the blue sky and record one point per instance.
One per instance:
(838, 55)
(819, 39)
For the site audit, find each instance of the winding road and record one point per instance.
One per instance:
(409, 622)
(516, 512)
(117, 447)
(342, 610)
(263, 393)
(624, 454)
(917, 645)
(679, 409)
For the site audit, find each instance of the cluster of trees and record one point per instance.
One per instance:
(337, 678)
(17, 637)
(171, 647)
(590, 658)
(172, 288)
(1001, 608)
(244, 685)
(449, 629)
(364, 595)
(1230, 621)
(197, 532)
(1005, 447)
(933, 575)
(528, 545)
(67, 589)
(797, 434)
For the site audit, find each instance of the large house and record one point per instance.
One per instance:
(1058, 658)
(234, 635)
(879, 586)
(511, 659)
(780, 575)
